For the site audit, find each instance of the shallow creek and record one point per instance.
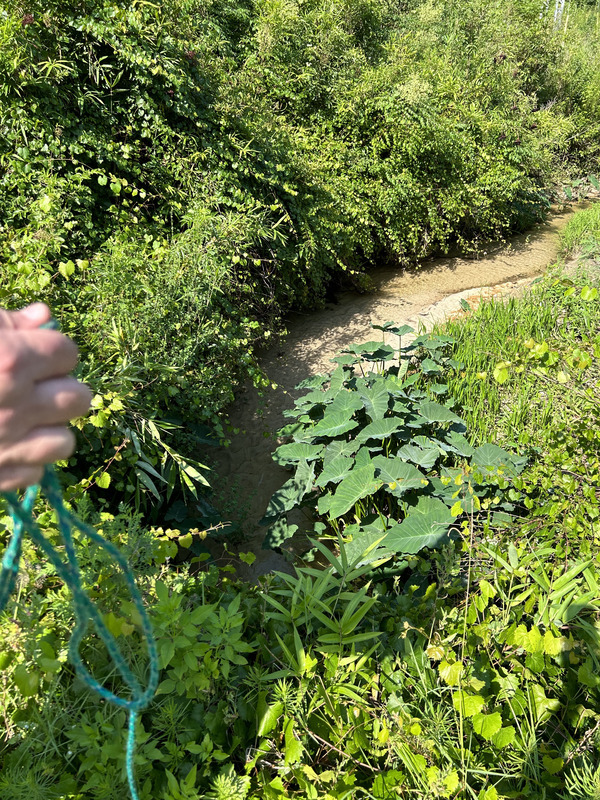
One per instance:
(247, 476)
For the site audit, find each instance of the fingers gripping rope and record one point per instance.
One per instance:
(85, 611)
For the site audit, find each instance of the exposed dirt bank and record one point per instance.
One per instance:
(247, 476)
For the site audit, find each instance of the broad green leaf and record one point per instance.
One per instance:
(589, 293)
(346, 402)
(435, 412)
(492, 457)
(398, 475)
(467, 704)
(358, 484)
(315, 382)
(333, 424)
(501, 372)
(339, 448)
(380, 429)
(371, 351)
(27, 681)
(487, 725)
(391, 327)
(297, 451)
(336, 469)
(419, 456)
(458, 444)
(504, 737)
(553, 765)
(290, 494)
(375, 401)
(426, 525)
(430, 367)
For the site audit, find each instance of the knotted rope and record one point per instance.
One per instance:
(85, 611)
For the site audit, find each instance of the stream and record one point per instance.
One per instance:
(247, 476)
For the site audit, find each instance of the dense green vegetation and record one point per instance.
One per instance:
(174, 177)
(466, 671)
(177, 175)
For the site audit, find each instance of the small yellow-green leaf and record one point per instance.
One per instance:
(486, 725)
(103, 480)
(504, 737)
(467, 704)
(552, 765)
(450, 673)
(186, 540)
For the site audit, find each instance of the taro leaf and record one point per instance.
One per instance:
(457, 443)
(363, 457)
(333, 425)
(375, 400)
(296, 451)
(434, 412)
(339, 448)
(419, 456)
(430, 367)
(371, 351)
(491, 457)
(315, 398)
(347, 402)
(313, 383)
(338, 376)
(391, 327)
(438, 388)
(358, 484)
(426, 525)
(278, 533)
(400, 407)
(323, 503)
(399, 475)
(290, 494)
(445, 491)
(346, 359)
(381, 429)
(292, 429)
(367, 546)
(335, 470)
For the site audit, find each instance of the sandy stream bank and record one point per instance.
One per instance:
(245, 475)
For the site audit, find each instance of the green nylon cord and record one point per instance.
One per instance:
(85, 611)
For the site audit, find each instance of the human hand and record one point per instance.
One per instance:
(37, 396)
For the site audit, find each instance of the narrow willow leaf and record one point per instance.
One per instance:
(358, 484)
(426, 525)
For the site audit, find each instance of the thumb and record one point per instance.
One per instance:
(26, 318)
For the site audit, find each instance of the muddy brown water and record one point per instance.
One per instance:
(247, 475)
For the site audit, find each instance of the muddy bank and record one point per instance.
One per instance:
(247, 476)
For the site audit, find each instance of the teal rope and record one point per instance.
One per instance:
(85, 610)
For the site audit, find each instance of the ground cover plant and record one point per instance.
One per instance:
(470, 670)
(176, 176)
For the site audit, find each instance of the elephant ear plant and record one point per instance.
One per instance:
(381, 459)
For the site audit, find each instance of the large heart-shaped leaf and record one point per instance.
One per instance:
(493, 458)
(339, 448)
(297, 451)
(358, 484)
(457, 443)
(380, 429)
(346, 402)
(424, 458)
(398, 475)
(333, 425)
(337, 469)
(375, 400)
(290, 494)
(435, 412)
(314, 382)
(426, 525)
(371, 351)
